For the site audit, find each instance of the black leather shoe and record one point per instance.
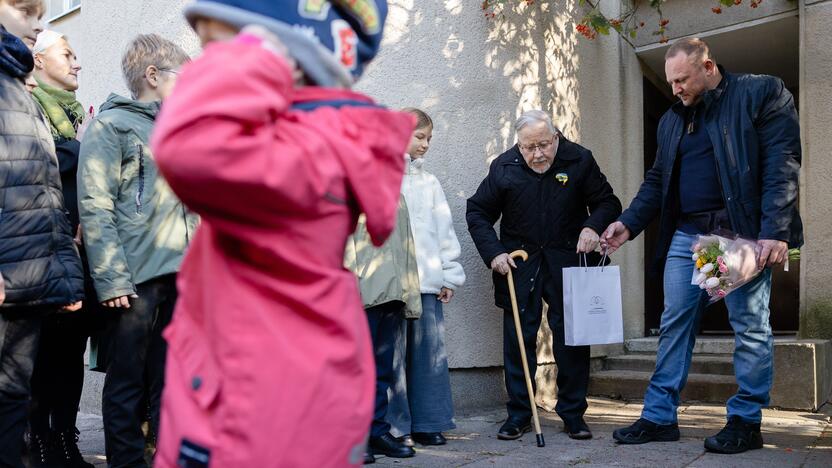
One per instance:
(736, 437)
(369, 459)
(390, 446)
(577, 431)
(429, 438)
(643, 431)
(513, 429)
(406, 440)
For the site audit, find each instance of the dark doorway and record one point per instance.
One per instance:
(785, 295)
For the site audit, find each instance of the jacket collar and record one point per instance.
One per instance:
(710, 97)
(567, 151)
(413, 166)
(146, 109)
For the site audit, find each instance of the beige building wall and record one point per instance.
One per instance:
(816, 196)
(694, 17)
(474, 76)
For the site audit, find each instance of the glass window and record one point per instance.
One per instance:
(56, 9)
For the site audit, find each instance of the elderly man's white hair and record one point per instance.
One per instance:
(533, 117)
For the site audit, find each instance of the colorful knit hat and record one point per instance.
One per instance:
(332, 40)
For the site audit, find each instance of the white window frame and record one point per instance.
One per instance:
(65, 10)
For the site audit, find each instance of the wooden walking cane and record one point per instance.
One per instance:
(523, 255)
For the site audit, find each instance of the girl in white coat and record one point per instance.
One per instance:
(428, 396)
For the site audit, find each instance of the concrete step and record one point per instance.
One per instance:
(630, 385)
(702, 363)
(704, 345)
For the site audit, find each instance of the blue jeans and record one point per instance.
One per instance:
(384, 320)
(421, 399)
(748, 313)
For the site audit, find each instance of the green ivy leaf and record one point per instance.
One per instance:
(728, 3)
(600, 23)
(633, 33)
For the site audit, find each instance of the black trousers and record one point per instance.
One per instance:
(384, 320)
(19, 334)
(136, 366)
(572, 361)
(58, 377)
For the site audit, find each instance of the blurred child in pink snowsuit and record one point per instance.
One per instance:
(270, 361)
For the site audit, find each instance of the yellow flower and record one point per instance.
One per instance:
(700, 263)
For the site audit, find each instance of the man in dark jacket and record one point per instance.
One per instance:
(729, 157)
(542, 188)
(38, 260)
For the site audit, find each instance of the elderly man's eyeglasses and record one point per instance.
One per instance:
(540, 146)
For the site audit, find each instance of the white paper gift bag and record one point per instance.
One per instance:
(592, 312)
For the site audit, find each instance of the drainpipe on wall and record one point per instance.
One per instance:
(801, 83)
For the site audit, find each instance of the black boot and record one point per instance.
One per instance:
(40, 451)
(736, 437)
(643, 431)
(66, 449)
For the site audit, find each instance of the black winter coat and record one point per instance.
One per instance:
(540, 214)
(38, 260)
(753, 125)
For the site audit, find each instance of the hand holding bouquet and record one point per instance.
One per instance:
(723, 264)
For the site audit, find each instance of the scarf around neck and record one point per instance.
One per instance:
(15, 58)
(62, 109)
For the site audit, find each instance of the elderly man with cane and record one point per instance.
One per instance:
(554, 201)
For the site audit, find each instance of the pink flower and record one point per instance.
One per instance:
(720, 260)
(723, 268)
(721, 293)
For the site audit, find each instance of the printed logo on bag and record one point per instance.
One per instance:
(597, 306)
(365, 11)
(346, 42)
(314, 9)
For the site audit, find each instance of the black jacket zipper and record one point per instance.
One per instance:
(140, 191)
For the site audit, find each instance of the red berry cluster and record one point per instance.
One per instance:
(586, 31)
(754, 4)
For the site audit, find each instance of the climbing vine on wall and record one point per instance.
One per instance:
(627, 24)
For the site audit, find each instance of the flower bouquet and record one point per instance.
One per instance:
(724, 262)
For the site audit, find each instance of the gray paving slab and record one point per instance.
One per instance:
(792, 439)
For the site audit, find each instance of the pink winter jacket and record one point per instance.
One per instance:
(269, 356)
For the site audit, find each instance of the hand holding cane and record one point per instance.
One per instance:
(523, 255)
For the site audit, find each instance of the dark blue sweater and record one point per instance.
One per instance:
(699, 188)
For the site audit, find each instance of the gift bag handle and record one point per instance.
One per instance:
(602, 264)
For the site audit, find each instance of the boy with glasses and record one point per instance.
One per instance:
(136, 232)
